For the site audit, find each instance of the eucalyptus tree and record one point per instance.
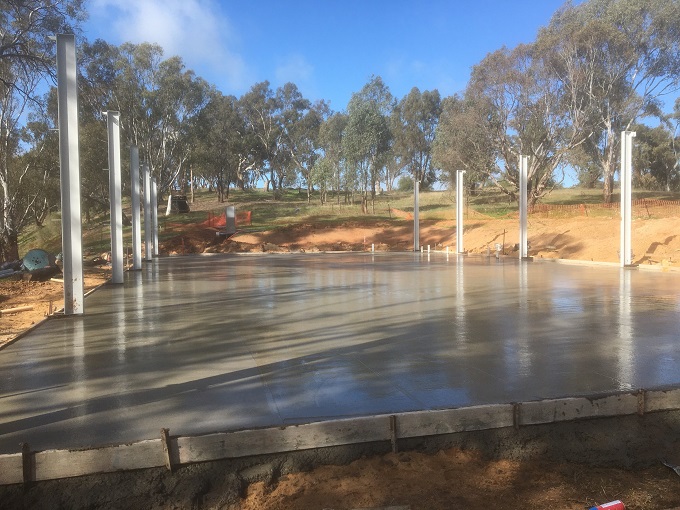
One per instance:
(330, 142)
(465, 140)
(97, 89)
(615, 59)
(322, 175)
(299, 124)
(302, 140)
(176, 102)
(221, 156)
(674, 124)
(512, 105)
(655, 161)
(159, 100)
(124, 78)
(367, 136)
(414, 124)
(259, 109)
(27, 58)
(42, 192)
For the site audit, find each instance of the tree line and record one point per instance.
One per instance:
(596, 69)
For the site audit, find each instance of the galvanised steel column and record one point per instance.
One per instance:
(69, 162)
(416, 211)
(115, 197)
(459, 210)
(154, 214)
(626, 173)
(148, 220)
(136, 217)
(523, 178)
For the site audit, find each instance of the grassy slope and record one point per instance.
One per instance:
(293, 208)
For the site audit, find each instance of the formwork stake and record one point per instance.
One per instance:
(516, 415)
(393, 433)
(26, 463)
(165, 440)
(641, 402)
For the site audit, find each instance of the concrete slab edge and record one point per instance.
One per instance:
(174, 451)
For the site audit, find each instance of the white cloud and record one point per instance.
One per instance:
(294, 68)
(196, 30)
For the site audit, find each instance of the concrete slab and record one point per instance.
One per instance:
(228, 342)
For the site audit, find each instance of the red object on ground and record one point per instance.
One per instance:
(614, 505)
(242, 218)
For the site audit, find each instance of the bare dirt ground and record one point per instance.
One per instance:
(456, 479)
(450, 479)
(45, 297)
(655, 241)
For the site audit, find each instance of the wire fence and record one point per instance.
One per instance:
(642, 208)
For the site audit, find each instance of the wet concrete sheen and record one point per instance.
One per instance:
(226, 342)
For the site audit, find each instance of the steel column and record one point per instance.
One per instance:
(69, 162)
(625, 250)
(148, 220)
(523, 206)
(154, 214)
(459, 210)
(136, 220)
(416, 211)
(115, 197)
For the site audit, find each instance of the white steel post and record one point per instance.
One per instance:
(626, 173)
(523, 178)
(136, 220)
(416, 212)
(148, 220)
(69, 162)
(115, 197)
(154, 214)
(459, 210)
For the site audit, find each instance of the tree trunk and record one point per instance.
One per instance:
(9, 247)
(608, 190)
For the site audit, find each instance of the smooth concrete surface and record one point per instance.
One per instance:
(225, 342)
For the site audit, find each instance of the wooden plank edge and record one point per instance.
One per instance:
(662, 400)
(282, 439)
(451, 421)
(11, 468)
(53, 464)
(172, 451)
(577, 408)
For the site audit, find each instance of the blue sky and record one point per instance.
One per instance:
(328, 48)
